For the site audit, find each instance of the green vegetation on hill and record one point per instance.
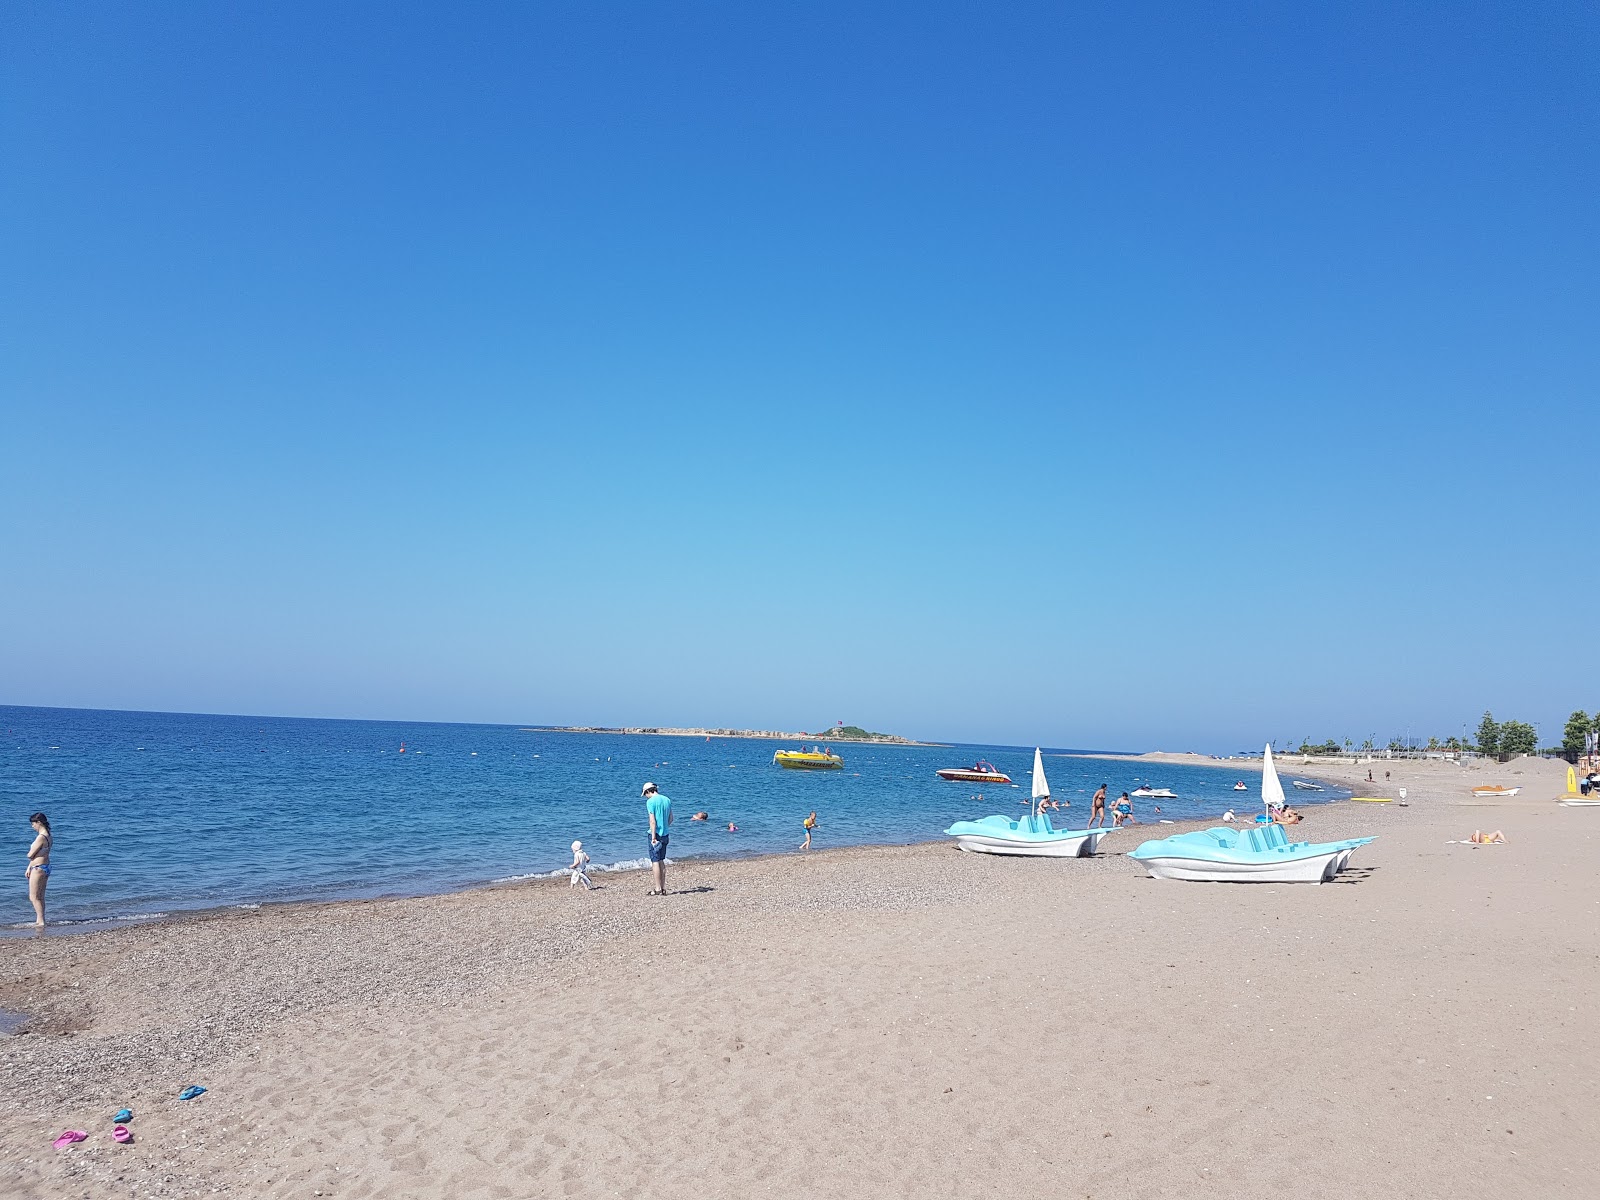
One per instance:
(854, 733)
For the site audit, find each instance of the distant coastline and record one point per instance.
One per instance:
(881, 739)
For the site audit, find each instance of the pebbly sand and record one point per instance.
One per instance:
(909, 1021)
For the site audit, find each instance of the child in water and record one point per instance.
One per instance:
(580, 867)
(810, 824)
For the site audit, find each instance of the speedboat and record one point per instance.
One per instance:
(981, 771)
(1495, 792)
(1240, 787)
(1029, 836)
(1150, 793)
(1306, 787)
(808, 760)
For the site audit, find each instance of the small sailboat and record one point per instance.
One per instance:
(1031, 836)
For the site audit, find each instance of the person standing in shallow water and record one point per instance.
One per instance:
(1097, 808)
(37, 872)
(810, 826)
(658, 809)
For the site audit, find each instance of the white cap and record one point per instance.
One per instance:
(577, 845)
(647, 789)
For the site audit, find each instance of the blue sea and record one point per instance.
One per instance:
(157, 813)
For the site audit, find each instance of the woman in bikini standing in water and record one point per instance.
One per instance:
(37, 872)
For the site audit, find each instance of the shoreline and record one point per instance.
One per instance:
(349, 1047)
(93, 925)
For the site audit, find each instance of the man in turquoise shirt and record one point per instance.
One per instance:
(659, 809)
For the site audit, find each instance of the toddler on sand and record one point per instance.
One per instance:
(580, 867)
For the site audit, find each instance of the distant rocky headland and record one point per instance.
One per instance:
(840, 733)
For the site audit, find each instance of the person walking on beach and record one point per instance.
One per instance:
(1097, 808)
(580, 867)
(37, 872)
(659, 810)
(810, 824)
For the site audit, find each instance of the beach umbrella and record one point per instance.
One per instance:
(1041, 788)
(1271, 789)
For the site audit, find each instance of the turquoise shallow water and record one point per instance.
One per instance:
(158, 812)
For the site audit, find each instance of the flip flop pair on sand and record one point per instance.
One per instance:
(120, 1133)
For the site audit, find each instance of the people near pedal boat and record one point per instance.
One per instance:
(1097, 813)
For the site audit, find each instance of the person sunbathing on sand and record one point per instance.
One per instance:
(1286, 816)
(1480, 838)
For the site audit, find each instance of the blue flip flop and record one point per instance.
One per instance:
(124, 1115)
(189, 1093)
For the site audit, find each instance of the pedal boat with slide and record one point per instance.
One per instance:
(1249, 855)
(1029, 836)
(981, 771)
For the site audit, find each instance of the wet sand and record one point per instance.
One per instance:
(908, 1021)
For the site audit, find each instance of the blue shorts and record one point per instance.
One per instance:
(658, 851)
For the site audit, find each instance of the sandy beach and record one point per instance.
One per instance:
(905, 1021)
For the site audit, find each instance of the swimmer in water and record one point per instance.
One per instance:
(37, 872)
(732, 828)
(701, 816)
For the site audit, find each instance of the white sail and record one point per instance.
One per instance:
(1041, 789)
(1271, 789)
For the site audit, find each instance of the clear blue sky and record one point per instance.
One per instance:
(1091, 375)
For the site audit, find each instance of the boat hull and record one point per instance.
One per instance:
(1076, 843)
(808, 762)
(1314, 869)
(1579, 801)
(974, 776)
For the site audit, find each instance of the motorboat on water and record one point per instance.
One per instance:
(1029, 836)
(1253, 854)
(1150, 793)
(1306, 787)
(981, 771)
(1240, 787)
(815, 759)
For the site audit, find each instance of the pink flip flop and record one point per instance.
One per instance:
(121, 1133)
(70, 1136)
